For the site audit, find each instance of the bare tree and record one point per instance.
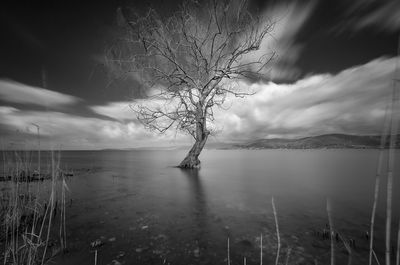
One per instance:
(189, 63)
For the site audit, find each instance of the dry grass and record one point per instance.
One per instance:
(28, 210)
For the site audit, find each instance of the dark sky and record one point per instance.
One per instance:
(68, 38)
(63, 37)
(330, 48)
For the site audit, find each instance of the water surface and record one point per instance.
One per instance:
(160, 214)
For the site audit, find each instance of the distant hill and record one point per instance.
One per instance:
(332, 141)
(315, 142)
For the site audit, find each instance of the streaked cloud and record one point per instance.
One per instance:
(116, 110)
(367, 14)
(15, 92)
(289, 18)
(61, 130)
(352, 101)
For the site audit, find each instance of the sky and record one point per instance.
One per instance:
(333, 73)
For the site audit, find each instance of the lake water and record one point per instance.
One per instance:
(146, 211)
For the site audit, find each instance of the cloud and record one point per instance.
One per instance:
(14, 92)
(127, 110)
(61, 130)
(289, 19)
(117, 110)
(353, 101)
(381, 15)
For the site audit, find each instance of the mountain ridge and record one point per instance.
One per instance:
(325, 141)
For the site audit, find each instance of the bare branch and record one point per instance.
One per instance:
(189, 62)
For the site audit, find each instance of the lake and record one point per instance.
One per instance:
(146, 211)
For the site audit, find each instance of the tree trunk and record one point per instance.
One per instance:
(192, 158)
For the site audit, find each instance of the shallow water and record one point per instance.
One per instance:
(159, 214)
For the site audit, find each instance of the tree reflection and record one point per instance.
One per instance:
(198, 205)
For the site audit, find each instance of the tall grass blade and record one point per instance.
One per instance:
(378, 174)
(329, 210)
(229, 255)
(277, 230)
(261, 250)
(398, 246)
(391, 160)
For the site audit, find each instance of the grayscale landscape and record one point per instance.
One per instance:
(200, 132)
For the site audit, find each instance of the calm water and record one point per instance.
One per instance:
(160, 214)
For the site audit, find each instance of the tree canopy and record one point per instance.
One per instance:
(188, 62)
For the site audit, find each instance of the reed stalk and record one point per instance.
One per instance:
(398, 246)
(288, 256)
(51, 205)
(378, 174)
(396, 84)
(26, 226)
(228, 248)
(329, 210)
(261, 250)
(277, 230)
(391, 160)
(348, 248)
